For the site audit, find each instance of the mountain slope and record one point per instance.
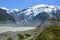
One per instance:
(4, 16)
(35, 14)
(29, 13)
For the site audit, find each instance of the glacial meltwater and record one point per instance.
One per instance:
(14, 29)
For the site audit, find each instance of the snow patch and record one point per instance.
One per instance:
(4, 8)
(48, 10)
(16, 10)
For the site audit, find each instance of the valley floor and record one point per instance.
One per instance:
(52, 32)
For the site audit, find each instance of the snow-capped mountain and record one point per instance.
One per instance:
(40, 12)
(35, 14)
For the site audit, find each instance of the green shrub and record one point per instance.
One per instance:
(51, 33)
(27, 35)
(9, 39)
(21, 37)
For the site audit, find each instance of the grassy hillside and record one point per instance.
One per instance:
(51, 33)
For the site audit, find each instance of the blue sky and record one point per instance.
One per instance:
(21, 4)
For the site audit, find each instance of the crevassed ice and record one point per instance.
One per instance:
(27, 12)
(37, 11)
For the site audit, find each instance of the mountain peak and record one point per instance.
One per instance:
(4, 8)
(43, 5)
(32, 14)
(16, 10)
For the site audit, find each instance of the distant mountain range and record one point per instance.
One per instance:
(46, 19)
(34, 15)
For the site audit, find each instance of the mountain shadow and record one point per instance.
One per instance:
(4, 16)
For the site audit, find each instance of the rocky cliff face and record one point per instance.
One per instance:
(44, 16)
(34, 15)
(5, 17)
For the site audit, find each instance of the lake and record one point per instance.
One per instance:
(14, 29)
